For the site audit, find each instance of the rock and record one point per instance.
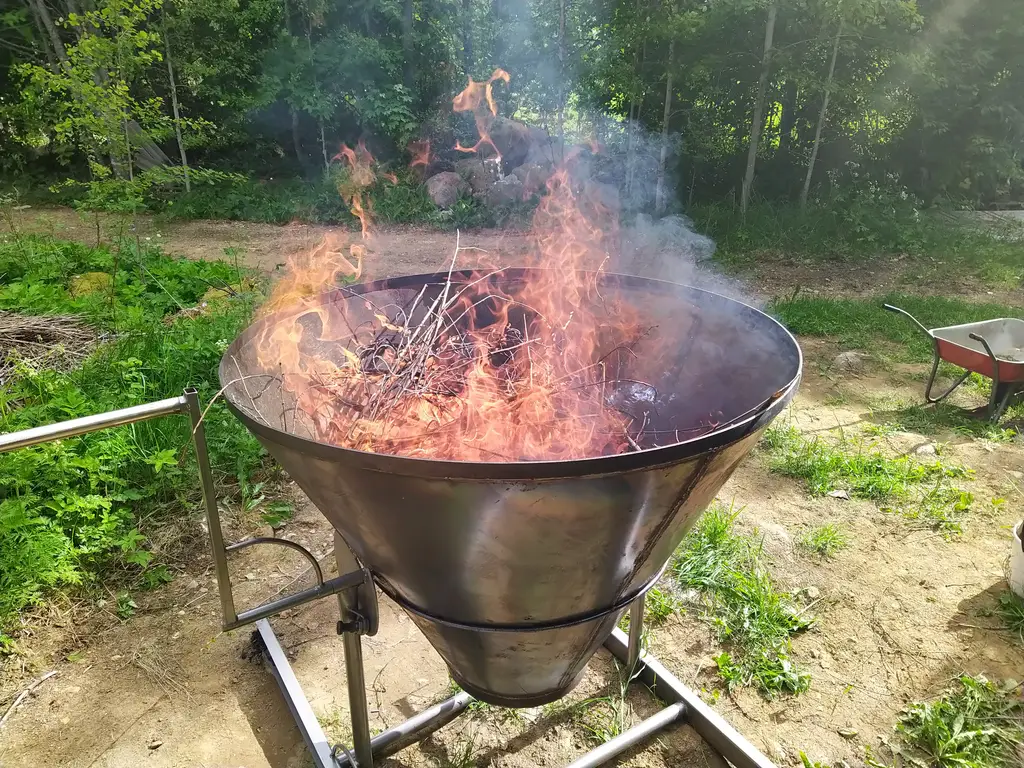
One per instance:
(444, 188)
(480, 177)
(512, 139)
(847, 733)
(533, 177)
(601, 198)
(777, 752)
(776, 538)
(192, 584)
(815, 653)
(812, 593)
(928, 449)
(155, 744)
(849, 362)
(840, 494)
(504, 191)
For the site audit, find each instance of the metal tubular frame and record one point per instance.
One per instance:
(357, 598)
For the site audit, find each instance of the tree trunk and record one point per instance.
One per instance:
(561, 75)
(758, 116)
(296, 140)
(821, 119)
(175, 111)
(467, 36)
(51, 30)
(408, 74)
(659, 196)
(44, 38)
(788, 119)
(323, 146)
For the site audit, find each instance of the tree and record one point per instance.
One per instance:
(758, 114)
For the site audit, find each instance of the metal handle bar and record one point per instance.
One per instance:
(917, 322)
(988, 349)
(188, 403)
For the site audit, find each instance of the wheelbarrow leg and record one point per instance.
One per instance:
(931, 381)
(1001, 393)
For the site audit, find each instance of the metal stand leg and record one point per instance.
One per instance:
(636, 632)
(931, 382)
(705, 721)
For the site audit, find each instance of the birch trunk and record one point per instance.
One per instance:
(758, 116)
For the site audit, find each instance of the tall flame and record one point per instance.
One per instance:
(480, 367)
(478, 98)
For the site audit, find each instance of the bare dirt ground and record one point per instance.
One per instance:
(900, 613)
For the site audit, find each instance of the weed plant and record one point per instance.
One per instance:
(825, 540)
(919, 490)
(1011, 610)
(974, 725)
(76, 510)
(753, 618)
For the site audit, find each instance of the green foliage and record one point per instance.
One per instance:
(751, 616)
(974, 725)
(861, 324)
(1011, 609)
(919, 490)
(74, 509)
(825, 540)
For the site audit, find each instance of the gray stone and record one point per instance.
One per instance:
(849, 362)
(479, 176)
(840, 494)
(533, 177)
(928, 449)
(504, 191)
(512, 139)
(812, 593)
(444, 188)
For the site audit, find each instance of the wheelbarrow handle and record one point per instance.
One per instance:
(917, 322)
(979, 338)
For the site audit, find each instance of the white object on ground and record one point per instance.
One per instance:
(1017, 562)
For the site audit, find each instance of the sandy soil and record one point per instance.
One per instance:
(900, 613)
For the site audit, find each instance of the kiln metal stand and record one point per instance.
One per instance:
(359, 617)
(357, 597)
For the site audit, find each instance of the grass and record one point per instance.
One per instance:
(863, 323)
(75, 511)
(659, 604)
(939, 419)
(861, 229)
(752, 617)
(825, 540)
(974, 725)
(919, 490)
(1011, 610)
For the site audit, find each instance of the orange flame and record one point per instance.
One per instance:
(420, 151)
(478, 98)
(480, 368)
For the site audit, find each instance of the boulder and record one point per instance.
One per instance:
(533, 178)
(506, 190)
(512, 139)
(444, 188)
(479, 176)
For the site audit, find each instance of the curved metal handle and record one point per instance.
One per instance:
(917, 322)
(979, 337)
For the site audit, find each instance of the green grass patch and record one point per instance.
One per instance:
(919, 490)
(825, 540)
(753, 618)
(1011, 611)
(77, 510)
(974, 725)
(865, 228)
(862, 323)
(940, 419)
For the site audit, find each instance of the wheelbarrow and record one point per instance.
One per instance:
(993, 348)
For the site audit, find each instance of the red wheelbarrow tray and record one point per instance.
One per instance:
(1005, 336)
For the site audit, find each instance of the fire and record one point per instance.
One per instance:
(478, 98)
(420, 152)
(480, 365)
